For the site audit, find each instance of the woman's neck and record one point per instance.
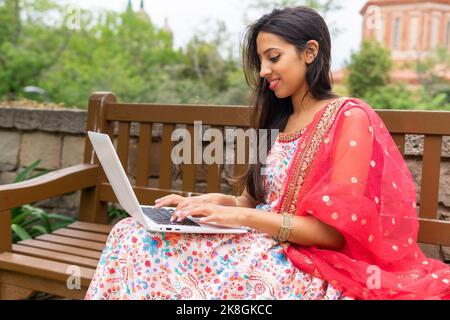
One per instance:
(303, 104)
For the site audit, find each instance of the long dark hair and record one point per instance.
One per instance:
(296, 25)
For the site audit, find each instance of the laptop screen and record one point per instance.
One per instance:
(116, 174)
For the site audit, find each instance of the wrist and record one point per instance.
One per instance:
(285, 228)
(246, 217)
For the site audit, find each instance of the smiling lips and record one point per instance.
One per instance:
(273, 83)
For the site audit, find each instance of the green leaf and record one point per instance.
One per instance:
(46, 222)
(24, 175)
(39, 229)
(59, 225)
(16, 211)
(30, 222)
(41, 214)
(20, 232)
(20, 218)
(34, 210)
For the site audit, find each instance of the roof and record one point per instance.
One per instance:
(382, 3)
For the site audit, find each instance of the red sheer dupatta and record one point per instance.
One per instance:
(348, 173)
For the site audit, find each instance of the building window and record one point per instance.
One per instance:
(414, 32)
(396, 38)
(380, 30)
(436, 20)
(447, 36)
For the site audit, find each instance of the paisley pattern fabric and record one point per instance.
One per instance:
(138, 264)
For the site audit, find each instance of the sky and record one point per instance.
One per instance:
(186, 18)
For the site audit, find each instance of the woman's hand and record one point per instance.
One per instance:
(221, 215)
(186, 203)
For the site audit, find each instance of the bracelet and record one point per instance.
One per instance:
(236, 199)
(286, 227)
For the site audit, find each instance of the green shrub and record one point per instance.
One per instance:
(28, 222)
(116, 213)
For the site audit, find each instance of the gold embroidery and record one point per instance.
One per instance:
(290, 136)
(304, 159)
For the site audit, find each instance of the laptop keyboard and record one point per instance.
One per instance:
(162, 216)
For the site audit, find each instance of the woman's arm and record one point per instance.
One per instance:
(306, 230)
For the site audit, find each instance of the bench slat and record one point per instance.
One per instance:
(165, 113)
(239, 167)
(61, 248)
(143, 164)
(165, 163)
(84, 244)
(434, 232)
(189, 168)
(416, 121)
(123, 143)
(92, 227)
(84, 235)
(145, 195)
(213, 179)
(429, 190)
(399, 139)
(55, 256)
(43, 268)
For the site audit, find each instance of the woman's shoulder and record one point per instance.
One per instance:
(352, 102)
(356, 107)
(355, 112)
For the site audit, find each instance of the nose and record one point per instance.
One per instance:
(264, 71)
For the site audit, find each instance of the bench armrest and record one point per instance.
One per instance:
(52, 184)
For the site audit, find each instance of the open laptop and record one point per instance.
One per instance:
(153, 219)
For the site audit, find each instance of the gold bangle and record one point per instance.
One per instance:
(236, 199)
(286, 227)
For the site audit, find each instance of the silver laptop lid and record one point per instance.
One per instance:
(116, 174)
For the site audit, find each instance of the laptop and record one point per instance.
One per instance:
(153, 219)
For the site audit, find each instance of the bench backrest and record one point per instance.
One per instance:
(106, 114)
(433, 125)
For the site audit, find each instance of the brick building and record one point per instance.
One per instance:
(410, 29)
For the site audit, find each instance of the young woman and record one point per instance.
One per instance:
(334, 216)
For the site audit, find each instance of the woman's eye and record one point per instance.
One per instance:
(275, 59)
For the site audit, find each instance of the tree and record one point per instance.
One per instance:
(28, 43)
(108, 51)
(432, 72)
(368, 69)
(120, 53)
(368, 78)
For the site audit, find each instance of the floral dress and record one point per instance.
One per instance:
(138, 264)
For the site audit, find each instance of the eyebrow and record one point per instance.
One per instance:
(267, 50)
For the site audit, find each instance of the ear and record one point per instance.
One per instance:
(311, 51)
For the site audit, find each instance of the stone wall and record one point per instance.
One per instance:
(57, 138)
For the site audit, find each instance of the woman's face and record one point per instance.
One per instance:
(281, 65)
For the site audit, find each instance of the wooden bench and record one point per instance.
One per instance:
(44, 264)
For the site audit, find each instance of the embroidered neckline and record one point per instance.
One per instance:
(304, 159)
(291, 136)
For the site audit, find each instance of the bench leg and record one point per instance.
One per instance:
(10, 292)
(5, 231)
(14, 285)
